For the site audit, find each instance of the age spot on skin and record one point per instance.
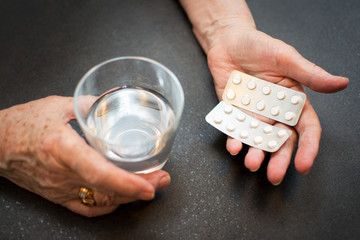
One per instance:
(5, 117)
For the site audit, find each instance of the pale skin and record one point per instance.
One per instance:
(40, 152)
(228, 35)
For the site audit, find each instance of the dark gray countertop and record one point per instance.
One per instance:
(46, 46)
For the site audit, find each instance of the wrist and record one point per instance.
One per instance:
(4, 116)
(208, 35)
(211, 17)
(10, 143)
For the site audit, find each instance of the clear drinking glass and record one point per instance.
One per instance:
(129, 109)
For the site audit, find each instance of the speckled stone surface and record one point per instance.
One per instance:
(46, 46)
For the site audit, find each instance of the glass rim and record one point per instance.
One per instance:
(79, 117)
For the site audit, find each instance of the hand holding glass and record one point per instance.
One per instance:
(129, 109)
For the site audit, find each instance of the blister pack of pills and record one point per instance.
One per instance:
(241, 126)
(264, 98)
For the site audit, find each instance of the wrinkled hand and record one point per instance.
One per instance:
(40, 152)
(253, 52)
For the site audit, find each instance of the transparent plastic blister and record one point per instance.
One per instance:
(241, 126)
(264, 98)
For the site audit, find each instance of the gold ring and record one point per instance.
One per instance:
(86, 196)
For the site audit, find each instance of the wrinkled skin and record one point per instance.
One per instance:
(248, 50)
(43, 154)
(40, 152)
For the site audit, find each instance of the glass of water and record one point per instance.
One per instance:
(129, 109)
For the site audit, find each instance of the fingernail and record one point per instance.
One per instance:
(276, 184)
(147, 195)
(164, 181)
(254, 170)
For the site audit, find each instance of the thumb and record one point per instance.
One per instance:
(311, 75)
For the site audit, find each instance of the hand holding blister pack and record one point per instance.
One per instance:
(236, 124)
(263, 98)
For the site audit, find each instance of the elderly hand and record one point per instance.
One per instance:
(227, 33)
(260, 55)
(40, 152)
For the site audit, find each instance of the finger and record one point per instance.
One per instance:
(280, 160)
(297, 67)
(83, 104)
(105, 198)
(233, 146)
(254, 158)
(94, 169)
(77, 207)
(108, 202)
(309, 130)
(159, 179)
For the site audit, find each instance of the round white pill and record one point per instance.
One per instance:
(230, 127)
(240, 117)
(275, 111)
(272, 144)
(227, 109)
(251, 85)
(268, 129)
(217, 119)
(254, 123)
(258, 140)
(236, 79)
(244, 134)
(295, 99)
(282, 133)
(246, 100)
(260, 105)
(289, 116)
(230, 94)
(280, 95)
(266, 90)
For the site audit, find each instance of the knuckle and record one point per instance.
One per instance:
(284, 53)
(91, 177)
(107, 200)
(56, 139)
(49, 140)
